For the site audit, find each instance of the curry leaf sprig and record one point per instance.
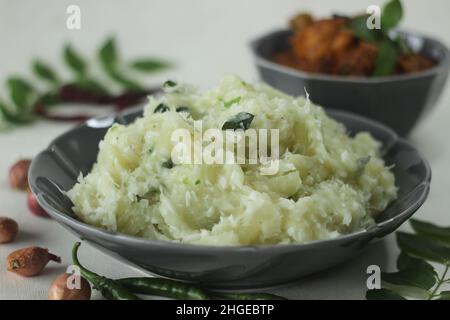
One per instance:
(28, 100)
(416, 277)
(388, 48)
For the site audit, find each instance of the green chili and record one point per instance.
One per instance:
(164, 288)
(109, 288)
(124, 289)
(248, 296)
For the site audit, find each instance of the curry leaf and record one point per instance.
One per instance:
(11, 117)
(74, 61)
(358, 26)
(109, 61)
(20, 92)
(423, 247)
(383, 294)
(431, 231)
(108, 54)
(386, 60)
(402, 45)
(44, 71)
(405, 261)
(444, 295)
(240, 121)
(183, 109)
(167, 164)
(411, 277)
(391, 15)
(126, 83)
(414, 278)
(169, 84)
(161, 108)
(229, 103)
(49, 99)
(149, 65)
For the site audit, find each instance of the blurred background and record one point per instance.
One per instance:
(204, 40)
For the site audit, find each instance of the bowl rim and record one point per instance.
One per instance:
(442, 66)
(115, 236)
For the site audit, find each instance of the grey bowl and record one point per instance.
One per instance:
(56, 169)
(397, 101)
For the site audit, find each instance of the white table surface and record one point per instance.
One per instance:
(206, 39)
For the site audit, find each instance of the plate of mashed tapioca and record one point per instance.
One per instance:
(340, 181)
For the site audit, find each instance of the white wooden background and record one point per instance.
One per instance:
(206, 39)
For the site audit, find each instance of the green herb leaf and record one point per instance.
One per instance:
(169, 84)
(20, 92)
(167, 164)
(152, 196)
(74, 61)
(149, 65)
(432, 231)
(414, 278)
(240, 121)
(391, 15)
(229, 103)
(405, 261)
(386, 60)
(444, 295)
(411, 277)
(109, 59)
(161, 108)
(383, 294)
(49, 99)
(358, 26)
(124, 81)
(14, 118)
(108, 54)
(402, 45)
(44, 71)
(421, 247)
(183, 109)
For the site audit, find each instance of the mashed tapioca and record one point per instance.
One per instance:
(328, 183)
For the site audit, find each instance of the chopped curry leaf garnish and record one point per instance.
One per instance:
(183, 109)
(229, 103)
(167, 164)
(169, 84)
(161, 108)
(240, 121)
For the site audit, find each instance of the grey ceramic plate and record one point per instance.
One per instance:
(397, 101)
(56, 169)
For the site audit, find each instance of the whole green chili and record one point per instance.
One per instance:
(109, 288)
(248, 296)
(164, 288)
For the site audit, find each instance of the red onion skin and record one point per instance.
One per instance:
(71, 93)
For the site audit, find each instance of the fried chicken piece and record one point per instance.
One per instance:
(412, 62)
(286, 58)
(312, 46)
(343, 41)
(301, 21)
(328, 46)
(357, 61)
